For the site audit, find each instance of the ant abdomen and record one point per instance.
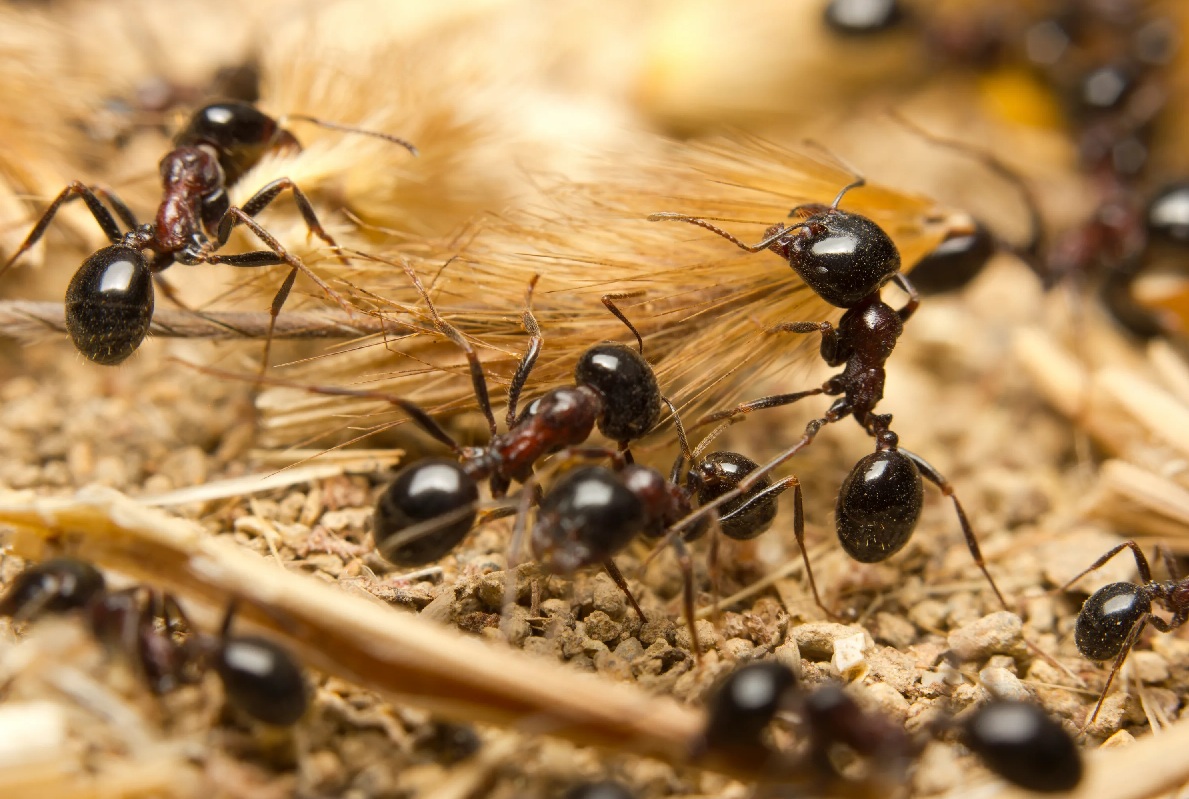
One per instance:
(745, 702)
(1167, 215)
(109, 304)
(631, 396)
(861, 18)
(1019, 742)
(587, 517)
(843, 257)
(431, 488)
(1107, 618)
(879, 505)
(745, 517)
(955, 262)
(57, 585)
(262, 679)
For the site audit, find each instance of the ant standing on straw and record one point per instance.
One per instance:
(846, 259)
(109, 303)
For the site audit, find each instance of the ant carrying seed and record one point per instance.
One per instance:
(259, 676)
(846, 259)
(109, 303)
(1111, 620)
(1023, 745)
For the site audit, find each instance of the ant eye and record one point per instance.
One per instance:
(1021, 744)
(631, 397)
(109, 304)
(843, 257)
(429, 489)
(1105, 620)
(878, 506)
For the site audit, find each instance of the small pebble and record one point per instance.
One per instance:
(602, 627)
(848, 659)
(816, 638)
(1002, 684)
(998, 633)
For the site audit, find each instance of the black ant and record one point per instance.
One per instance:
(259, 676)
(1111, 620)
(846, 259)
(109, 303)
(1024, 745)
(593, 512)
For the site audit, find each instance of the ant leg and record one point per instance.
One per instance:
(1170, 563)
(914, 299)
(608, 300)
(1141, 563)
(535, 342)
(1132, 637)
(478, 380)
(73, 190)
(261, 199)
(831, 346)
(278, 255)
(119, 206)
(799, 534)
(686, 563)
(772, 235)
(935, 477)
(774, 401)
(616, 575)
(416, 413)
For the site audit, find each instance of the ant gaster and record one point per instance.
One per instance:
(1023, 745)
(109, 303)
(846, 259)
(1111, 620)
(260, 677)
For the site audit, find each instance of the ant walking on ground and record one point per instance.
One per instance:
(846, 259)
(1111, 620)
(109, 303)
(260, 678)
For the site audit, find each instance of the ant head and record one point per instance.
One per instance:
(745, 702)
(261, 678)
(1107, 617)
(587, 517)
(53, 586)
(1019, 742)
(720, 472)
(843, 257)
(631, 396)
(109, 304)
(878, 506)
(239, 132)
(429, 489)
(862, 17)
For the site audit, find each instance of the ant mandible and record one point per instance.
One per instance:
(846, 259)
(1111, 620)
(260, 678)
(109, 303)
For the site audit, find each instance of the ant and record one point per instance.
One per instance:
(259, 676)
(605, 789)
(1024, 745)
(1111, 620)
(593, 512)
(846, 259)
(109, 302)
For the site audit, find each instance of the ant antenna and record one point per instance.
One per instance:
(857, 183)
(388, 137)
(1031, 247)
(763, 244)
(613, 308)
